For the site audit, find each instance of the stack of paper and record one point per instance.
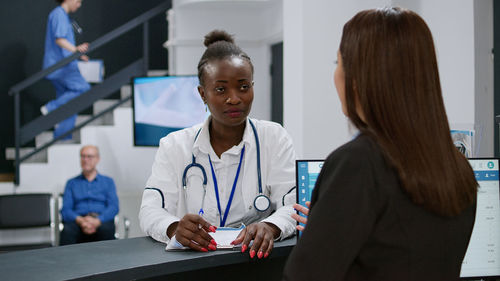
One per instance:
(223, 236)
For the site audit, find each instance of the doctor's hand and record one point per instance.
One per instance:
(192, 231)
(82, 48)
(299, 218)
(262, 234)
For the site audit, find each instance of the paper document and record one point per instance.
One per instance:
(223, 236)
(92, 70)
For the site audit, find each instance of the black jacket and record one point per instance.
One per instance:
(362, 226)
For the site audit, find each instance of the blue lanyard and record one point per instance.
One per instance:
(223, 220)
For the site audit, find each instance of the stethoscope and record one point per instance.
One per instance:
(76, 27)
(261, 202)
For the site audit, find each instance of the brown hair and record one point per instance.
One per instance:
(220, 45)
(391, 71)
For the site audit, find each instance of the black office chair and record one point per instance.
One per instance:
(27, 221)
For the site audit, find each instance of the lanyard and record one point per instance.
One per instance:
(223, 220)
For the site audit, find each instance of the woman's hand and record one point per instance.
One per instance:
(192, 231)
(262, 234)
(299, 218)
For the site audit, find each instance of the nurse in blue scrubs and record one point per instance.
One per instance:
(60, 43)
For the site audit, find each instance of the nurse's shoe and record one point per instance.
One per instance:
(44, 110)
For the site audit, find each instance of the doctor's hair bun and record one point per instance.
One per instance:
(217, 35)
(220, 45)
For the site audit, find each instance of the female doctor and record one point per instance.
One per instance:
(230, 170)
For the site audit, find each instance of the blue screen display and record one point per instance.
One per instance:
(307, 172)
(163, 105)
(483, 253)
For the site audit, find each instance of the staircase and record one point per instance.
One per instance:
(47, 136)
(47, 166)
(49, 170)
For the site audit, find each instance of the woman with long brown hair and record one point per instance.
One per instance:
(398, 201)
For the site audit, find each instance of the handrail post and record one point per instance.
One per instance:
(145, 46)
(17, 132)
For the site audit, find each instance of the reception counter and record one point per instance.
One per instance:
(140, 259)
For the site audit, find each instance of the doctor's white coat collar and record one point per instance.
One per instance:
(202, 143)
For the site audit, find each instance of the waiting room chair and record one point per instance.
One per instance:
(126, 222)
(27, 221)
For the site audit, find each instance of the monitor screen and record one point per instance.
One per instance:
(482, 259)
(307, 172)
(165, 104)
(483, 254)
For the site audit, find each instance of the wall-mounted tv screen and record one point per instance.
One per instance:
(165, 104)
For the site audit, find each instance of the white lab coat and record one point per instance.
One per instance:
(165, 201)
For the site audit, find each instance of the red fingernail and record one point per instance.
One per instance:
(252, 254)
(204, 250)
(243, 248)
(260, 254)
(212, 228)
(213, 242)
(212, 247)
(266, 255)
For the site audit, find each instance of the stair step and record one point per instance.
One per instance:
(48, 136)
(40, 157)
(101, 105)
(126, 91)
(84, 117)
(157, 72)
(43, 138)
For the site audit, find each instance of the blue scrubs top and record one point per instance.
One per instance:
(58, 26)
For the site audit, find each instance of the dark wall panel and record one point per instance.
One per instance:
(22, 29)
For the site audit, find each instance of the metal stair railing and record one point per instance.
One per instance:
(27, 132)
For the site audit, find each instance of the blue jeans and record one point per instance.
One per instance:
(72, 233)
(69, 85)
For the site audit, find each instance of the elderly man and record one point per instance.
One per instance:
(90, 203)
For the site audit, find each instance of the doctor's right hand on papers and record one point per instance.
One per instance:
(192, 232)
(223, 236)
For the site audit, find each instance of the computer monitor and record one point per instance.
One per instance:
(165, 104)
(482, 259)
(307, 172)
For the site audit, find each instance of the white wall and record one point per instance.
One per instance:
(463, 33)
(312, 111)
(312, 31)
(255, 24)
(484, 114)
